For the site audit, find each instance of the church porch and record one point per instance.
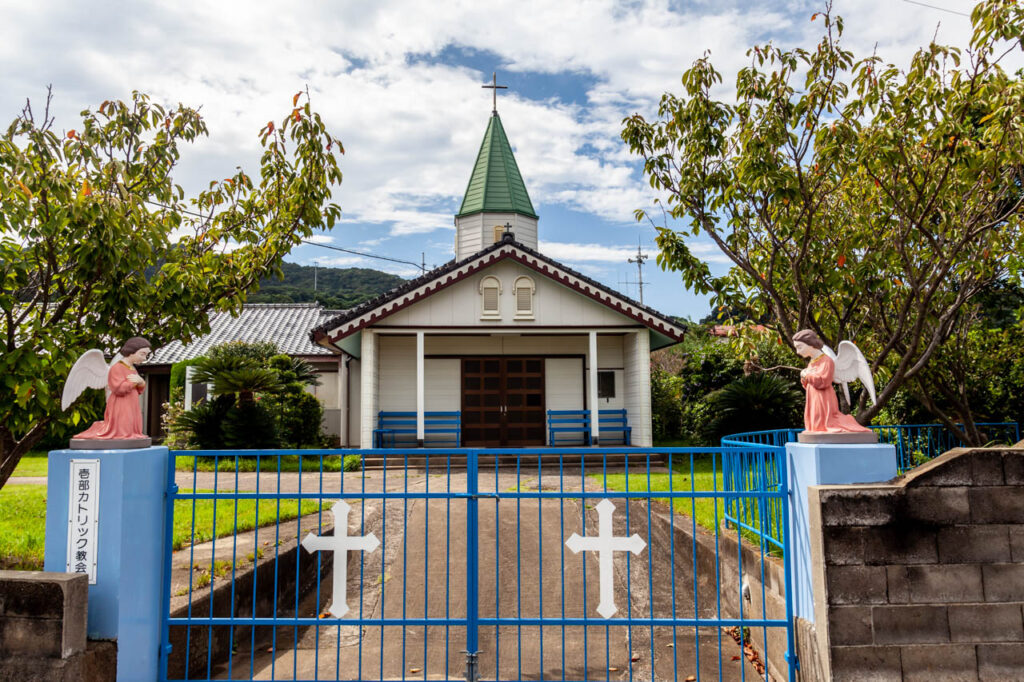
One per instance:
(501, 383)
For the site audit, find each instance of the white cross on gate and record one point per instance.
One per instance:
(604, 544)
(340, 543)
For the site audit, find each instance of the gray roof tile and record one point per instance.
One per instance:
(286, 324)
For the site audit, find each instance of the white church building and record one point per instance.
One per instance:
(502, 341)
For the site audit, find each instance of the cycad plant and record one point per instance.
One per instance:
(236, 375)
(260, 400)
(755, 402)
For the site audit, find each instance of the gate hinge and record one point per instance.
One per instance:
(167, 649)
(793, 660)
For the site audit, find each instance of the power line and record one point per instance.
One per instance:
(422, 267)
(941, 9)
(367, 255)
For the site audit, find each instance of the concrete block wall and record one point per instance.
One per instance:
(924, 578)
(43, 630)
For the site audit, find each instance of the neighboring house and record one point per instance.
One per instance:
(284, 324)
(501, 334)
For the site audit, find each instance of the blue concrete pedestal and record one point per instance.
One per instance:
(125, 603)
(825, 464)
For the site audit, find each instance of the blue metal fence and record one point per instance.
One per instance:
(471, 564)
(760, 470)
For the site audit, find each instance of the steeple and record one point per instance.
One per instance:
(496, 199)
(496, 185)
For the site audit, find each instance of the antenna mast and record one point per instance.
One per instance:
(639, 260)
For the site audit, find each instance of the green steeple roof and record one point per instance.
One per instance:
(496, 185)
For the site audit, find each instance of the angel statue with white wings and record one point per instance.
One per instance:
(122, 420)
(823, 422)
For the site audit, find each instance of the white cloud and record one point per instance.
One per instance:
(320, 239)
(569, 253)
(340, 261)
(412, 124)
(708, 252)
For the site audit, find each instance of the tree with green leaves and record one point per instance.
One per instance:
(854, 198)
(99, 243)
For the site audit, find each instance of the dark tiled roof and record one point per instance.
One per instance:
(336, 321)
(286, 324)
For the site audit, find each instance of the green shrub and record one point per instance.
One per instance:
(666, 405)
(299, 417)
(203, 422)
(249, 425)
(258, 353)
(353, 463)
(752, 403)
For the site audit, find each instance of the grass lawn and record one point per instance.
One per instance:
(268, 463)
(706, 475)
(34, 463)
(22, 527)
(31, 464)
(23, 522)
(247, 516)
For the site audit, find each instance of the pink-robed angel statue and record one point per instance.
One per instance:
(823, 422)
(121, 426)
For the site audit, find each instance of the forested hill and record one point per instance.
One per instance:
(335, 287)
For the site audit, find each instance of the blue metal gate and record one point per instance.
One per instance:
(554, 563)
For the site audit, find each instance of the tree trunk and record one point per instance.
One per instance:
(11, 450)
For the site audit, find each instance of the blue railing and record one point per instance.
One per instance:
(471, 563)
(915, 443)
(760, 470)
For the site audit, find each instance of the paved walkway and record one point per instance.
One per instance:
(26, 480)
(525, 571)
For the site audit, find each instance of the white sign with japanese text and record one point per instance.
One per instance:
(83, 513)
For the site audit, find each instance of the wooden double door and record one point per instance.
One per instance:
(502, 402)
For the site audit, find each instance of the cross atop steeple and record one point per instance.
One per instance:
(494, 87)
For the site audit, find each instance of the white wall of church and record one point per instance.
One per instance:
(397, 378)
(397, 374)
(563, 383)
(442, 379)
(460, 304)
(475, 232)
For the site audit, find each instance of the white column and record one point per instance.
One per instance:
(368, 388)
(595, 428)
(419, 389)
(188, 388)
(644, 438)
(343, 401)
(636, 356)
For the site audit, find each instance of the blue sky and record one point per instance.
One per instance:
(399, 83)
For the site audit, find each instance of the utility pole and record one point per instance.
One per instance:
(639, 260)
(423, 261)
(316, 264)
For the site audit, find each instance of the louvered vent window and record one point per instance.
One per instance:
(524, 289)
(499, 233)
(490, 292)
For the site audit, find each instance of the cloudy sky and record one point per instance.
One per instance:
(399, 82)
